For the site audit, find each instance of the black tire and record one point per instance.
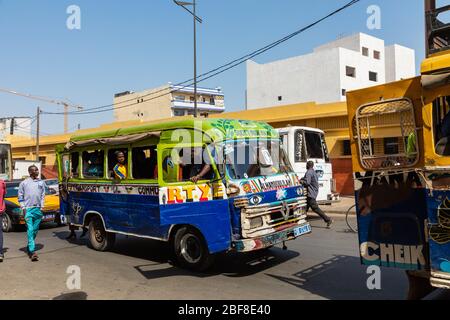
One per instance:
(191, 251)
(7, 225)
(58, 220)
(353, 228)
(99, 239)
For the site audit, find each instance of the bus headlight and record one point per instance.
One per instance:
(233, 190)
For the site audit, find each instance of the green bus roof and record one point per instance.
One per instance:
(220, 129)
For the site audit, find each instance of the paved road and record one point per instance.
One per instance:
(323, 265)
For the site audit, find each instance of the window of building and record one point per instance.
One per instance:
(145, 162)
(377, 55)
(178, 113)
(344, 92)
(350, 71)
(280, 98)
(93, 164)
(191, 99)
(368, 147)
(113, 161)
(212, 101)
(42, 160)
(373, 76)
(365, 51)
(390, 145)
(179, 98)
(346, 149)
(190, 112)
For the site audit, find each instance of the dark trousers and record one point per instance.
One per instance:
(312, 203)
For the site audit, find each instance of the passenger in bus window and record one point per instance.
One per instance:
(194, 171)
(120, 169)
(94, 166)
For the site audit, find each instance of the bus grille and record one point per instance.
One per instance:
(266, 218)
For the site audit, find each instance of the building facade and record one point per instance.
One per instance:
(166, 102)
(326, 74)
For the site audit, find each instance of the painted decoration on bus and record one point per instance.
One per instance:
(391, 211)
(192, 193)
(439, 231)
(272, 183)
(146, 190)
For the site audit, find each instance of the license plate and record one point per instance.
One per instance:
(302, 230)
(49, 217)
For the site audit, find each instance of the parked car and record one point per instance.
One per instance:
(14, 217)
(53, 184)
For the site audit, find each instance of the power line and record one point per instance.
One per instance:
(212, 73)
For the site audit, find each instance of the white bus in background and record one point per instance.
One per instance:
(20, 171)
(303, 144)
(5, 161)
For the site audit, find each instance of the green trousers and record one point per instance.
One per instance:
(33, 218)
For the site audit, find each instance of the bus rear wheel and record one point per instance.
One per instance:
(99, 239)
(191, 251)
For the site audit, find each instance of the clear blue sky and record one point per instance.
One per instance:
(140, 44)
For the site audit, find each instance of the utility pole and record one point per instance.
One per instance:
(38, 116)
(195, 62)
(184, 5)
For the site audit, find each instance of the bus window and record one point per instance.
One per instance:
(441, 119)
(368, 119)
(93, 164)
(116, 172)
(299, 151)
(180, 165)
(314, 145)
(75, 164)
(145, 165)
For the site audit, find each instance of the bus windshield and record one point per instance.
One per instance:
(249, 159)
(5, 158)
(315, 145)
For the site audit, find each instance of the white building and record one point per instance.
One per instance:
(18, 126)
(326, 74)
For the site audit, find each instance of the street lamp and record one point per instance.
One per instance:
(196, 19)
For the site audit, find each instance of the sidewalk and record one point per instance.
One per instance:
(340, 207)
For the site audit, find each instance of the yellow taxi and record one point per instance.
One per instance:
(14, 217)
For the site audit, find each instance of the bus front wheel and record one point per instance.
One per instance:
(99, 239)
(191, 251)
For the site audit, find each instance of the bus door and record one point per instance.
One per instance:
(203, 204)
(439, 198)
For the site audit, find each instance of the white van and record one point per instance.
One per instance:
(303, 144)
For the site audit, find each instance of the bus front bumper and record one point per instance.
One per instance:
(253, 244)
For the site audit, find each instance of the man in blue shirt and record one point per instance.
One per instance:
(31, 199)
(311, 182)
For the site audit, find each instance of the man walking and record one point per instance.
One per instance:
(2, 212)
(311, 182)
(31, 199)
